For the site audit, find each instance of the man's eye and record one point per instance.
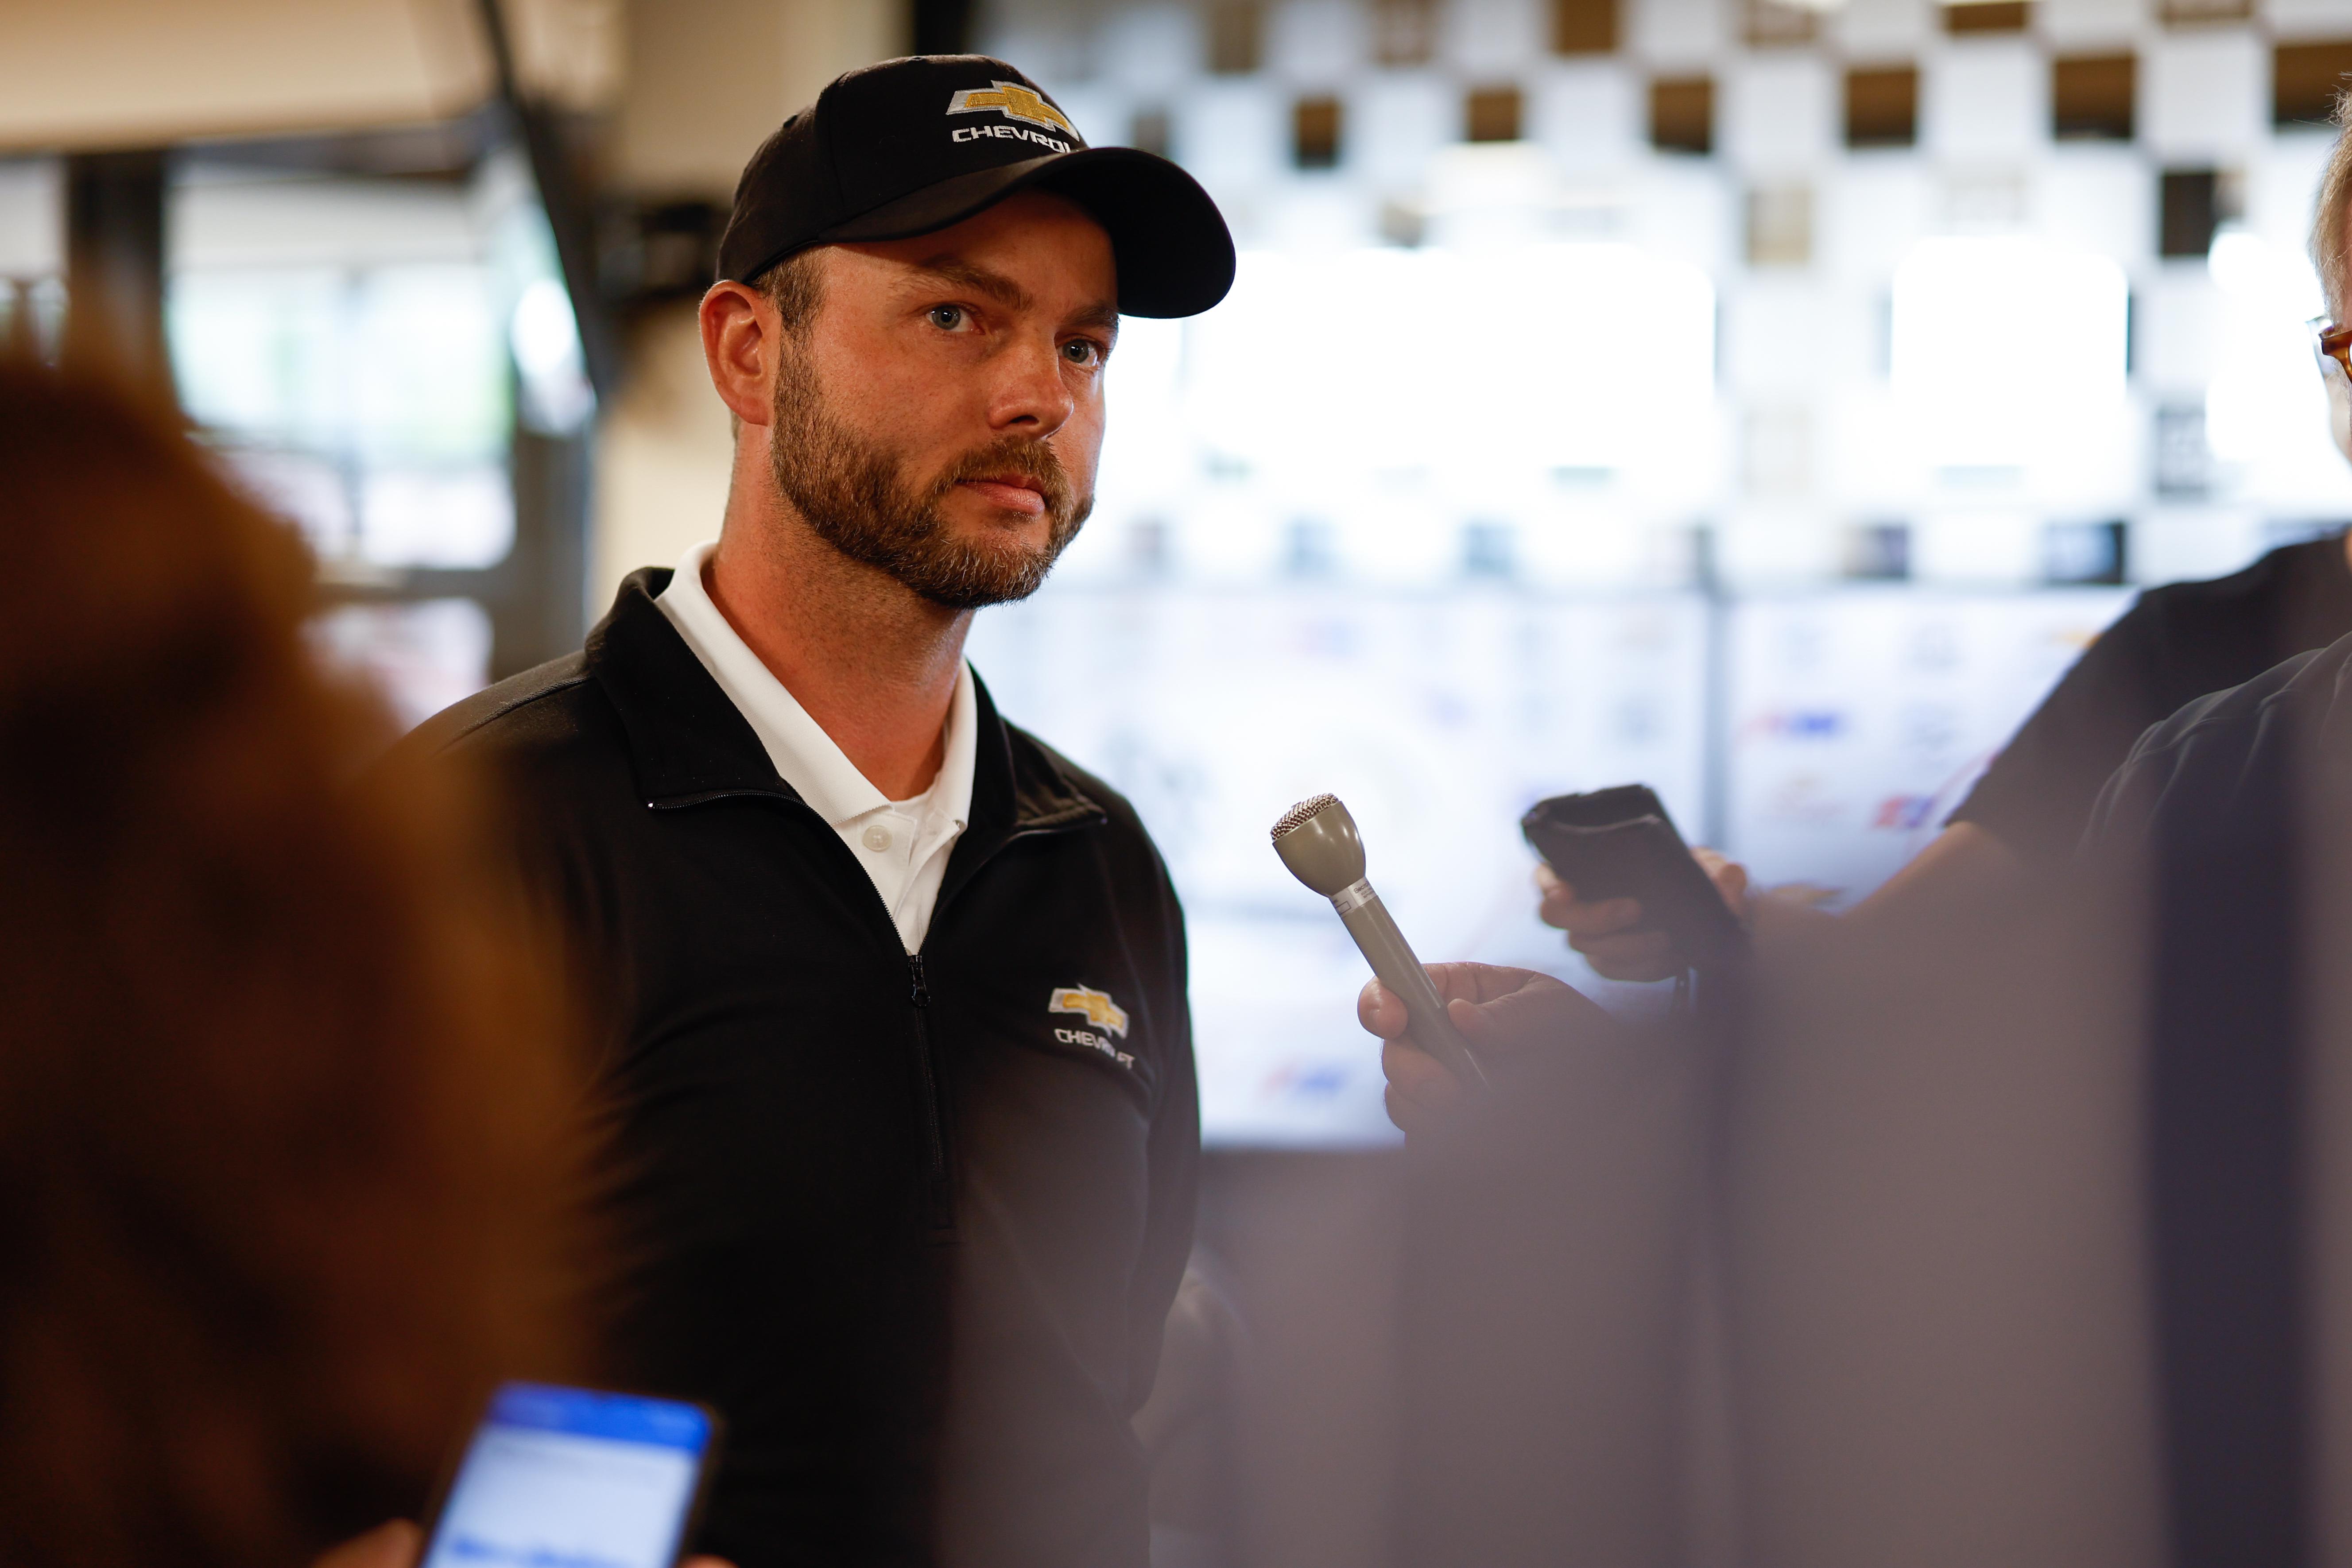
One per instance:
(947, 318)
(1080, 351)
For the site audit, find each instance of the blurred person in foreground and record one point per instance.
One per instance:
(2235, 814)
(2132, 1051)
(289, 1140)
(891, 997)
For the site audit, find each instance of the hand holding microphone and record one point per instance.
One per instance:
(1318, 840)
(1505, 1011)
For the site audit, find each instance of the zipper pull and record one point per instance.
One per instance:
(921, 993)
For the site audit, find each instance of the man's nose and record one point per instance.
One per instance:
(1031, 398)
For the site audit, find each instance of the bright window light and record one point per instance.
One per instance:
(547, 355)
(369, 406)
(429, 382)
(1510, 361)
(455, 518)
(2266, 408)
(541, 331)
(259, 356)
(421, 656)
(2009, 353)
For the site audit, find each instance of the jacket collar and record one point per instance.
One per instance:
(688, 743)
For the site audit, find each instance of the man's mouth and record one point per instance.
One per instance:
(1014, 492)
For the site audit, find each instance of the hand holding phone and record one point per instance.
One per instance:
(1621, 844)
(573, 1478)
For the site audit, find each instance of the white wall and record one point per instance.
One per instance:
(121, 73)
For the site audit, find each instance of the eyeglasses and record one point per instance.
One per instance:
(2333, 344)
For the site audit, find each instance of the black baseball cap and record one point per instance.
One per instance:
(911, 145)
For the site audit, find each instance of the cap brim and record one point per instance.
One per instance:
(1174, 255)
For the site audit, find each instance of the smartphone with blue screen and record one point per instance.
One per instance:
(573, 1478)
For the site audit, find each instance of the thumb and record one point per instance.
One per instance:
(1729, 877)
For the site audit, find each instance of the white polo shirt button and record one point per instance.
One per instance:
(877, 838)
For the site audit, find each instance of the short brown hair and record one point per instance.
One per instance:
(287, 1124)
(795, 286)
(2334, 215)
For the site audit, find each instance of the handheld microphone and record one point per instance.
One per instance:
(1318, 840)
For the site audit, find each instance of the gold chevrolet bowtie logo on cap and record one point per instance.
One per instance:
(1094, 1006)
(1013, 101)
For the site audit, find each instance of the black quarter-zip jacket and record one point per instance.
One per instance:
(911, 1223)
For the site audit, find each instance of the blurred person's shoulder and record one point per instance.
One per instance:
(2225, 725)
(2260, 579)
(2295, 597)
(2220, 758)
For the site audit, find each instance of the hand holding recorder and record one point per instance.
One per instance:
(1634, 901)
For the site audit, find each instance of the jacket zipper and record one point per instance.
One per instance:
(941, 1195)
(941, 1190)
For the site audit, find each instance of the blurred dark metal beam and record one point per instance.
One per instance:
(541, 613)
(114, 266)
(570, 209)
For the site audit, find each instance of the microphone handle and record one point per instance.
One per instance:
(1391, 958)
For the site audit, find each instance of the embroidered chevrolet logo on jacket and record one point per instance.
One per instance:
(1094, 1007)
(1097, 1009)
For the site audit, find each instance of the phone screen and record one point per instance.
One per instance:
(570, 1477)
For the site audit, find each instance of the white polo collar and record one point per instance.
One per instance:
(805, 756)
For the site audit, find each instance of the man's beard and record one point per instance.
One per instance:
(854, 494)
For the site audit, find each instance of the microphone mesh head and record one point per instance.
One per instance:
(1296, 817)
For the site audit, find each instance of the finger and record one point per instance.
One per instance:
(1548, 883)
(1543, 1011)
(1381, 1011)
(1452, 980)
(1494, 1025)
(1602, 919)
(1729, 877)
(1418, 1075)
(1636, 947)
(1475, 981)
(1402, 1113)
(1556, 909)
(1643, 956)
(1492, 982)
(1472, 1021)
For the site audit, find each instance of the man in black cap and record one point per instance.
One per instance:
(892, 995)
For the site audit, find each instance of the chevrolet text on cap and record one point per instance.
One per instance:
(913, 145)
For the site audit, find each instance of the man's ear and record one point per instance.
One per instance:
(740, 336)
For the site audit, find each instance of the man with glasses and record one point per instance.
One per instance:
(2230, 814)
